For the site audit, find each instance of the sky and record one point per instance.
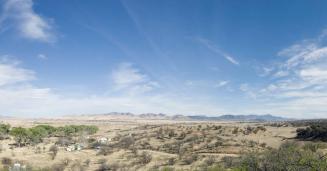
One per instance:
(190, 57)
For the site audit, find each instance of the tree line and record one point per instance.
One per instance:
(36, 134)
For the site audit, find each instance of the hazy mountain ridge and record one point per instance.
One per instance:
(161, 116)
(252, 117)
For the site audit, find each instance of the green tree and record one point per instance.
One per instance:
(21, 135)
(37, 134)
(4, 130)
(50, 129)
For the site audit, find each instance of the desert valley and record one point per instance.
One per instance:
(119, 141)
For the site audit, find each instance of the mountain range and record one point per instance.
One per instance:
(160, 116)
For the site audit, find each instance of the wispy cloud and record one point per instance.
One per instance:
(211, 46)
(264, 71)
(42, 56)
(245, 87)
(126, 77)
(221, 84)
(281, 73)
(26, 21)
(11, 73)
(299, 83)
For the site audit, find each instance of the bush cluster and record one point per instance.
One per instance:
(313, 132)
(290, 156)
(35, 135)
(4, 131)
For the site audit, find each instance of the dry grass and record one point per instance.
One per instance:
(155, 143)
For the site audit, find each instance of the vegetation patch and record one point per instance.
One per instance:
(313, 132)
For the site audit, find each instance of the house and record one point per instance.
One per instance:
(18, 167)
(78, 147)
(74, 147)
(70, 148)
(103, 140)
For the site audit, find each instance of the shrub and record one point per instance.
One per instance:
(145, 158)
(53, 151)
(171, 161)
(4, 128)
(229, 161)
(58, 167)
(4, 131)
(114, 166)
(217, 127)
(126, 142)
(218, 168)
(105, 150)
(134, 151)
(77, 166)
(250, 161)
(263, 145)
(101, 161)
(189, 159)
(37, 150)
(66, 161)
(6, 161)
(210, 160)
(50, 130)
(21, 135)
(167, 169)
(104, 166)
(252, 143)
(74, 130)
(37, 134)
(87, 162)
(235, 130)
(311, 146)
(313, 132)
(290, 156)
(64, 141)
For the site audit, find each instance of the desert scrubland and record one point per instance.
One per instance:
(122, 143)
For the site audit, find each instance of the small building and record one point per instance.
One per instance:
(17, 167)
(103, 140)
(74, 147)
(70, 148)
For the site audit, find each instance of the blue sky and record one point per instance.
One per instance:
(175, 57)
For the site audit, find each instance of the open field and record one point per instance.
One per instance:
(140, 144)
